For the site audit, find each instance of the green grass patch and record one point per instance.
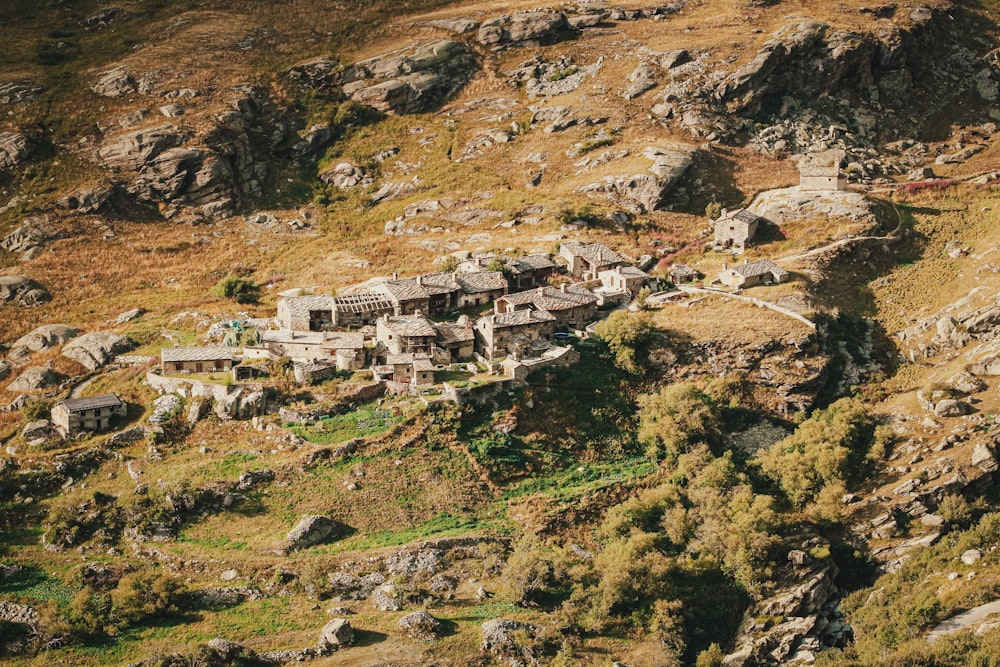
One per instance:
(442, 525)
(341, 428)
(581, 480)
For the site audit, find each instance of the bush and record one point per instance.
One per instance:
(628, 335)
(140, 595)
(238, 288)
(675, 418)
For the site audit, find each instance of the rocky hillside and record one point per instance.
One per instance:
(799, 452)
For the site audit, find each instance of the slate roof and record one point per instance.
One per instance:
(682, 271)
(759, 268)
(197, 353)
(408, 325)
(453, 333)
(437, 283)
(300, 306)
(403, 290)
(284, 336)
(826, 163)
(92, 403)
(344, 340)
(743, 215)
(551, 298)
(517, 318)
(481, 281)
(597, 254)
(628, 272)
(531, 263)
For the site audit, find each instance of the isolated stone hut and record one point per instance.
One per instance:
(734, 230)
(820, 172)
(752, 273)
(94, 413)
(197, 359)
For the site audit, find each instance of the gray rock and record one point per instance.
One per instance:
(41, 428)
(135, 149)
(642, 78)
(317, 138)
(254, 478)
(535, 27)
(414, 81)
(642, 193)
(385, 598)
(18, 614)
(982, 457)
(391, 191)
(15, 149)
(498, 639)
(231, 652)
(798, 557)
(967, 383)
(115, 82)
(311, 530)
(4, 369)
(129, 315)
(950, 407)
(971, 556)
(42, 338)
(172, 110)
(457, 26)
(95, 350)
(420, 625)
(30, 234)
(34, 379)
(22, 291)
(347, 175)
(18, 92)
(222, 596)
(336, 634)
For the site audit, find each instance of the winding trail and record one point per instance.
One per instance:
(963, 621)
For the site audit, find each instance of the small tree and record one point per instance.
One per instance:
(238, 288)
(675, 418)
(627, 334)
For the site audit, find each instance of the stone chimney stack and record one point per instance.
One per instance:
(395, 276)
(725, 266)
(562, 288)
(420, 280)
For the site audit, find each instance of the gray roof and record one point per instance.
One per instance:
(516, 318)
(759, 268)
(437, 283)
(597, 254)
(628, 272)
(743, 215)
(531, 263)
(682, 270)
(481, 281)
(448, 332)
(92, 403)
(344, 340)
(408, 325)
(300, 306)
(197, 353)
(551, 298)
(403, 290)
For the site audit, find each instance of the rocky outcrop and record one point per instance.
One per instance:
(642, 193)
(530, 28)
(96, 349)
(336, 634)
(346, 176)
(136, 150)
(312, 530)
(791, 204)
(231, 402)
(499, 639)
(22, 291)
(420, 625)
(15, 149)
(115, 82)
(34, 379)
(27, 237)
(39, 339)
(411, 82)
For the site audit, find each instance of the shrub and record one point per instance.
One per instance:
(140, 595)
(238, 288)
(627, 334)
(675, 418)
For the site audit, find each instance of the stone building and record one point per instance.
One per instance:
(570, 305)
(512, 333)
(197, 359)
(524, 272)
(414, 369)
(458, 339)
(734, 230)
(587, 260)
(322, 312)
(94, 413)
(405, 334)
(820, 172)
(763, 271)
(628, 279)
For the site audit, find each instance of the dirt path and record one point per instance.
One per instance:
(965, 620)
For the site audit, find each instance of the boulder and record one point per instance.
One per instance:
(136, 149)
(642, 78)
(967, 383)
(642, 193)
(96, 349)
(950, 407)
(311, 530)
(35, 430)
(458, 26)
(42, 338)
(336, 634)
(115, 82)
(231, 652)
(798, 557)
(30, 234)
(524, 28)
(971, 556)
(253, 478)
(129, 315)
(982, 457)
(791, 204)
(18, 614)
(414, 81)
(312, 142)
(34, 379)
(21, 290)
(347, 175)
(385, 598)
(15, 149)
(420, 625)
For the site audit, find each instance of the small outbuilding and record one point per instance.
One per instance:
(820, 172)
(197, 359)
(734, 230)
(763, 271)
(94, 413)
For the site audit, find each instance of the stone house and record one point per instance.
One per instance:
(480, 288)
(570, 305)
(523, 272)
(681, 273)
(197, 359)
(734, 230)
(413, 369)
(587, 260)
(345, 348)
(762, 271)
(624, 279)
(94, 413)
(322, 312)
(512, 333)
(405, 334)
(820, 172)
(458, 339)
(408, 296)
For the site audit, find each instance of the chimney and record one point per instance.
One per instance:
(746, 260)
(418, 313)
(562, 288)
(725, 266)
(420, 280)
(395, 276)
(723, 213)
(618, 269)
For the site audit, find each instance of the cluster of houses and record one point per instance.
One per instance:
(389, 327)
